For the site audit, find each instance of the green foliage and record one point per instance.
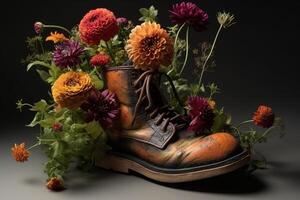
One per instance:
(76, 141)
(36, 50)
(148, 15)
(250, 138)
(48, 72)
(200, 55)
(114, 48)
(222, 121)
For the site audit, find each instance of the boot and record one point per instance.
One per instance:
(151, 139)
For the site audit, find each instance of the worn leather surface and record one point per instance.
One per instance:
(120, 81)
(145, 140)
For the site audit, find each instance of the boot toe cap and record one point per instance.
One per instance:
(209, 149)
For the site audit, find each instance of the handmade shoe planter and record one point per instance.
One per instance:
(152, 139)
(119, 99)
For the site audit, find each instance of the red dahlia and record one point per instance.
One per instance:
(201, 114)
(100, 60)
(264, 117)
(98, 24)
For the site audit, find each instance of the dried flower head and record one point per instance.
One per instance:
(149, 46)
(190, 14)
(71, 89)
(20, 153)
(38, 27)
(98, 24)
(225, 19)
(56, 37)
(55, 184)
(264, 117)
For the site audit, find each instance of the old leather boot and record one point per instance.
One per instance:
(152, 140)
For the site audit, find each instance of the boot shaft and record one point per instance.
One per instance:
(120, 80)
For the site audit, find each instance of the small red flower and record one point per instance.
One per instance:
(55, 184)
(264, 117)
(100, 60)
(57, 127)
(98, 24)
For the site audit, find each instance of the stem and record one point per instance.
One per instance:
(42, 47)
(110, 53)
(99, 74)
(35, 145)
(175, 43)
(186, 50)
(59, 27)
(266, 132)
(245, 122)
(93, 71)
(210, 53)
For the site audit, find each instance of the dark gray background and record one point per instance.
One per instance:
(256, 64)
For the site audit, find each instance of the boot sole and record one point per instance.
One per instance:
(126, 163)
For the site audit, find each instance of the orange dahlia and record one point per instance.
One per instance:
(55, 184)
(56, 37)
(20, 153)
(264, 117)
(149, 46)
(98, 24)
(71, 89)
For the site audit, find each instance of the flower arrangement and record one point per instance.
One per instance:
(80, 109)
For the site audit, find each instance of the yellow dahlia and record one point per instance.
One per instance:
(149, 46)
(71, 89)
(56, 37)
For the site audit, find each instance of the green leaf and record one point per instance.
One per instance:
(97, 82)
(43, 74)
(148, 15)
(38, 63)
(220, 121)
(143, 11)
(36, 120)
(40, 106)
(48, 122)
(94, 129)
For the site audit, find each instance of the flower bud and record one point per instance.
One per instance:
(38, 27)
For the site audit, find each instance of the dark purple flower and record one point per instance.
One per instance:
(67, 54)
(38, 27)
(122, 21)
(189, 13)
(201, 114)
(102, 107)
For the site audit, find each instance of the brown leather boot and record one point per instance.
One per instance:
(152, 139)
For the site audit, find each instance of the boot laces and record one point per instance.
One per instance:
(163, 114)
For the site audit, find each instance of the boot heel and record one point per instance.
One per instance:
(112, 162)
